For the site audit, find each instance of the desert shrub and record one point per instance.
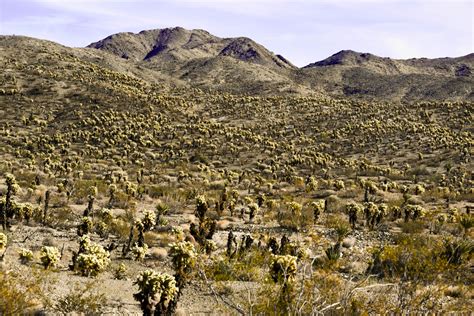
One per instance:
(412, 227)
(412, 258)
(457, 251)
(155, 292)
(82, 299)
(49, 256)
(23, 294)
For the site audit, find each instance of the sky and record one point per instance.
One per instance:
(301, 31)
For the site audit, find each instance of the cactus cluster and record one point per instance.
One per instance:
(155, 292)
(49, 256)
(283, 268)
(91, 259)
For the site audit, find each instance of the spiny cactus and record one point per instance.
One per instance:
(283, 268)
(318, 209)
(353, 209)
(6, 211)
(155, 292)
(94, 260)
(139, 252)
(85, 227)
(49, 256)
(253, 210)
(25, 256)
(295, 208)
(149, 220)
(3, 241)
(201, 207)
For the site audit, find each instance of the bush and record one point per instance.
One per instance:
(81, 300)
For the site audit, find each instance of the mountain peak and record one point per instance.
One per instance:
(345, 57)
(177, 43)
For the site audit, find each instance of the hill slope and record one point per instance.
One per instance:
(240, 65)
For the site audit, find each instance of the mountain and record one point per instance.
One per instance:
(240, 65)
(352, 73)
(176, 57)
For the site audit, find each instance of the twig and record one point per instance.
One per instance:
(217, 295)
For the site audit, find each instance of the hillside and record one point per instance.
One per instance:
(240, 65)
(351, 73)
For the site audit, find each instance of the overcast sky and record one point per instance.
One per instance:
(302, 31)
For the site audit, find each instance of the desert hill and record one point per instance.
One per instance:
(240, 65)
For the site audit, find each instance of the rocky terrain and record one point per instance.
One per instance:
(240, 65)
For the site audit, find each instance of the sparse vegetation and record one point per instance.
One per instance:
(298, 204)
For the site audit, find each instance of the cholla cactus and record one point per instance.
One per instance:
(339, 185)
(210, 246)
(149, 220)
(311, 184)
(3, 241)
(156, 292)
(253, 210)
(25, 255)
(295, 208)
(93, 260)
(85, 227)
(139, 253)
(419, 189)
(318, 208)
(6, 211)
(370, 211)
(353, 209)
(413, 211)
(183, 256)
(106, 215)
(121, 272)
(201, 207)
(283, 268)
(49, 256)
(112, 192)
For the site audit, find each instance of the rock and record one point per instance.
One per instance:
(223, 224)
(348, 242)
(158, 253)
(354, 267)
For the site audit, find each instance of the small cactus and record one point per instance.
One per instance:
(49, 256)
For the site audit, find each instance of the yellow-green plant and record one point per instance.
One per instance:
(3, 241)
(155, 292)
(25, 256)
(93, 260)
(49, 256)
